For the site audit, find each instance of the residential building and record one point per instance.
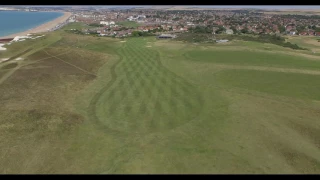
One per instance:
(229, 31)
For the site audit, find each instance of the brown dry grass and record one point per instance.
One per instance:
(37, 109)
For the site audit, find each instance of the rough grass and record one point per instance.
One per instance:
(37, 110)
(10, 66)
(88, 105)
(2, 72)
(29, 46)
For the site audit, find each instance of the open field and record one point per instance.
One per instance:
(75, 25)
(128, 24)
(83, 104)
(310, 42)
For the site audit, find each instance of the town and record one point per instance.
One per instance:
(122, 23)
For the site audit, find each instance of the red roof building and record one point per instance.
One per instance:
(304, 33)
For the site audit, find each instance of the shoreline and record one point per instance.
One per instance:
(41, 28)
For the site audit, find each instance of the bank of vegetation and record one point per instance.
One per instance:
(263, 38)
(266, 38)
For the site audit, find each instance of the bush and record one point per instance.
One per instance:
(96, 25)
(263, 38)
(139, 33)
(74, 31)
(266, 38)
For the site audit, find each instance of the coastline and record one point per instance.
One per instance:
(43, 27)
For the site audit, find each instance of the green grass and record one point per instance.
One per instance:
(285, 84)
(128, 24)
(156, 96)
(88, 105)
(253, 58)
(75, 25)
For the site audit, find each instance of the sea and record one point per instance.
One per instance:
(12, 22)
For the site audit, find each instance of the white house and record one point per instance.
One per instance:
(292, 32)
(229, 31)
(104, 22)
(112, 22)
(190, 24)
(222, 41)
(141, 16)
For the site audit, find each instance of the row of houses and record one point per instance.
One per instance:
(136, 18)
(310, 33)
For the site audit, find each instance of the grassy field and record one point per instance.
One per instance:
(82, 104)
(128, 24)
(310, 42)
(75, 25)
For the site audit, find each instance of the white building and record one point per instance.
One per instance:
(141, 16)
(229, 31)
(104, 22)
(190, 24)
(292, 32)
(222, 41)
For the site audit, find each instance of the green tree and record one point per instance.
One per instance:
(244, 30)
(233, 29)
(281, 28)
(300, 29)
(220, 30)
(135, 33)
(176, 19)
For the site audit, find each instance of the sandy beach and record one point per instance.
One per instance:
(42, 28)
